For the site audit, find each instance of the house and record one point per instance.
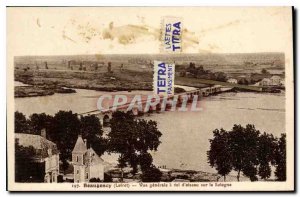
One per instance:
(46, 153)
(256, 84)
(232, 80)
(265, 82)
(275, 80)
(87, 164)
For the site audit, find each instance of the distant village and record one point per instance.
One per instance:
(266, 81)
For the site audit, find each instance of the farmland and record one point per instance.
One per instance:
(132, 72)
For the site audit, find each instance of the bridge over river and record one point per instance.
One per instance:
(215, 88)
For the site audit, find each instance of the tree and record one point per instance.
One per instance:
(21, 123)
(107, 178)
(39, 122)
(120, 136)
(221, 76)
(280, 158)
(243, 145)
(250, 170)
(64, 131)
(245, 150)
(200, 69)
(145, 160)
(96, 66)
(192, 65)
(243, 81)
(121, 67)
(26, 169)
(91, 129)
(109, 67)
(265, 154)
(69, 64)
(264, 170)
(147, 135)
(192, 69)
(219, 155)
(95, 180)
(151, 174)
(264, 71)
(132, 138)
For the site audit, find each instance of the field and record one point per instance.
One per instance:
(134, 72)
(228, 63)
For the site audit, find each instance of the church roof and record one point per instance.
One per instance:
(80, 146)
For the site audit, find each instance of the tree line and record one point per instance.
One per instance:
(248, 151)
(200, 72)
(130, 137)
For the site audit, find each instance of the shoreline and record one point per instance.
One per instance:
(34, 90)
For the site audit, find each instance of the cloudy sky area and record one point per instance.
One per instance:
(70, 31)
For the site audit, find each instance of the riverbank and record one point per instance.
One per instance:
(100, 81)
(125, 80)
(34, 91)
(47, 82)
(177, 175)
(173, 175)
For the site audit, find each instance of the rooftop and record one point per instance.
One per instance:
(38, 142)
(80, 146)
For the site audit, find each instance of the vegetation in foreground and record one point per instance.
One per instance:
(246, 150)
(129, 137)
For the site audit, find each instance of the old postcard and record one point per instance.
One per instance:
(150, 99)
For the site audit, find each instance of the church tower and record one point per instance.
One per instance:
(78, 160)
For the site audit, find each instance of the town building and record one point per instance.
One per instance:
(87, 164)
(46, 154)
(265, 82)
(275, 80)
(232, 80)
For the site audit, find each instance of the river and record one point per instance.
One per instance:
(186, 135)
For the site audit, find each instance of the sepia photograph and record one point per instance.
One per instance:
(150, 99)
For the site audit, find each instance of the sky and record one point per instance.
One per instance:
(136, 30)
